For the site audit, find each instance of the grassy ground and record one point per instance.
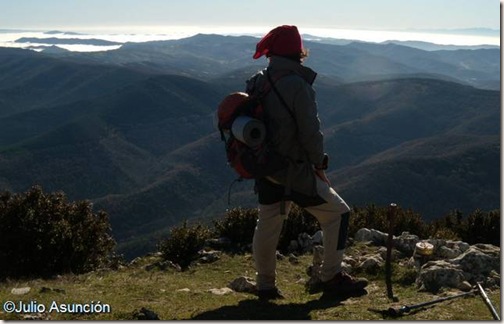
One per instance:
(184, 295)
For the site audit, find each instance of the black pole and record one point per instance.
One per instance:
(390, 242)
(407, 309)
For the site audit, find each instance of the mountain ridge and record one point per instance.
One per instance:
(354, 60)
(136, 136)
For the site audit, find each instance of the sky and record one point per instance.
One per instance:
(343, 14)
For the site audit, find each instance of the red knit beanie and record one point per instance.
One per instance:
(283, 40)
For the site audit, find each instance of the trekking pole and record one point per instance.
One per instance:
(390, 241)
(406, 309)
(488, 302)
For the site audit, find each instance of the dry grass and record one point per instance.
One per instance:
(184, 295)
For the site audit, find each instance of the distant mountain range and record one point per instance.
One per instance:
(131, 129)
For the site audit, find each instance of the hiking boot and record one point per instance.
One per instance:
(342, 283)
(270, 294)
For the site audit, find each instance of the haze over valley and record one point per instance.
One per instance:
(131, 128)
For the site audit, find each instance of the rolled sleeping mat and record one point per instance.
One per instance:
(249, 130)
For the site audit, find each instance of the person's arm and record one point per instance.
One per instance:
(310, 136)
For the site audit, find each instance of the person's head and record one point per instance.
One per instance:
(282, 41)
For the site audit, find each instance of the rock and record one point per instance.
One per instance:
(20, 291)
(437, 274)
(371, 235)
(487, 249)
(305, 242)
(458, 245)
(318, 238)
(406, 242)
(479, 261)
(448, 249)
(371, 264)
(220, 291)
(465, 286)
(218, 243)
(36, 317)
(144, 314)
(458, 265)
(167, 264)
(493, 279)
(209, 256)
(183, 290)
(447, 253)
(395, 254)
(351, 262)
(243, 284)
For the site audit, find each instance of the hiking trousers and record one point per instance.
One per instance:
(333, 218)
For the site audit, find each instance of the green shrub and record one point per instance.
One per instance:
(444, 233)
(43, 234)
(478, 227)
(183, 243)
(449, 227)
(377, 218)
(481, 227)
(237, 225)
(298, 221)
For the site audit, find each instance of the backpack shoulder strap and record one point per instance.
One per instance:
(282, 100)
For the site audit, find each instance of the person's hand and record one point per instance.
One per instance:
(321, 174)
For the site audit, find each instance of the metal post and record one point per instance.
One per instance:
(390, 241)
(488, 302)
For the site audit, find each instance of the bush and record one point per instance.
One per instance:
(444, 233)
(299, 221)
(478, 227)
(42, 235)
(482, 227)
(238, 225)
(373, 217)
(449, 227)
(184, 243)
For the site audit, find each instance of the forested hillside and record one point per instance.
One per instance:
(132, 129)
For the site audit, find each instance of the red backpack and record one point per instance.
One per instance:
(241, 122)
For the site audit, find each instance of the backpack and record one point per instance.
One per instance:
(241, 122)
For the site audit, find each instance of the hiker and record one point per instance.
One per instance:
(296, 135)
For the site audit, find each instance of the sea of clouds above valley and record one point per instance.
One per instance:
(148, 33)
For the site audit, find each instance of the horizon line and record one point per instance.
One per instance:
(456, 37)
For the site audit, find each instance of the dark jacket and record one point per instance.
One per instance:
(295, 135)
